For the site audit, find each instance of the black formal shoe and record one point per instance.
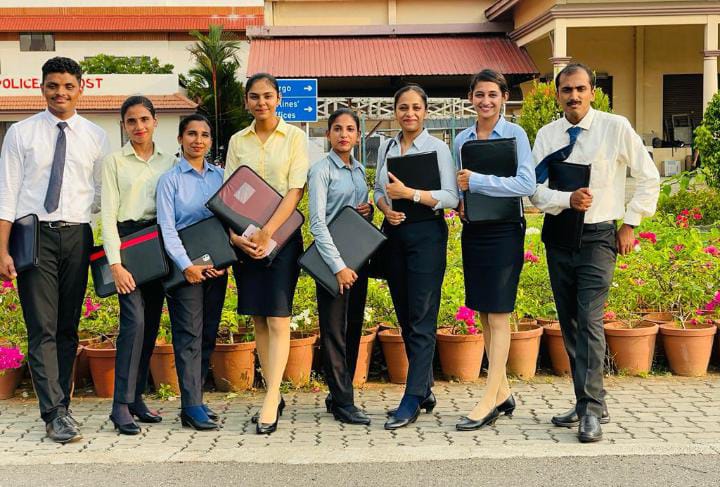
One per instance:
(570, 419)
(74, 421)
(211, 414)
(62, 430)
(351, 416)
(589, 430)
(126, 429)
(188, 420)
(281, 406)
(269, 428)
(507, 407)
(467, 424)
(394, 422)
(146, 417)
(428, 404)
(329, 403)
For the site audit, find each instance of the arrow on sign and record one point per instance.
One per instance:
(308, 109)
(308, 88)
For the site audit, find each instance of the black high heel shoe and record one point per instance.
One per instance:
(126, 429)
(507, 407)
(146, 417)
(467, 424)
(256, 416)
(188, 420)
(394, 423)
(428, 404)
(268, 428)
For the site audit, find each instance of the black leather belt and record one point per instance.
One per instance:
(60, 224)
(599, 227)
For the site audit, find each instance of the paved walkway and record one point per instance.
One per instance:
(666, 415)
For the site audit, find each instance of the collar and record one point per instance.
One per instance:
(185, 166)
(128, 150)
(334, 157)
(584, 124)
(419, 140)
(53, 120)
(498, 129)
(282, 127)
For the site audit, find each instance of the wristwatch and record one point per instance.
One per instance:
(416, 196)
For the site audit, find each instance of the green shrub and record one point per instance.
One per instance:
(707, 142)
(707, 200)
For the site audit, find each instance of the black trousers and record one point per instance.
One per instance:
(580, 282)
(139, 322)
(416, 268)
(51, 296)
(341, 320)
(195, 312)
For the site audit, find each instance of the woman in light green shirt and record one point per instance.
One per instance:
(130, 177)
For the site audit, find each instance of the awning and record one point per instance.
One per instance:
(387, 56)
(175, 103)
(126, 23)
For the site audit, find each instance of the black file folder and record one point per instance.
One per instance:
(245, 199)
(141, 253)
(206, 242)
(419, 171)
(23, 245)
(565, 229)
(355, 238)
(496, 157)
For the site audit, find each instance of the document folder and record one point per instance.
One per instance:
(246, 199)
(24, 243)
(141, 253)
(419, 171)
(495, 157)
(565, 229)
(206, 242)
(355, 238)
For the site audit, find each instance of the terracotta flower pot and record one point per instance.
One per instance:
(460, 355)
(233, 366)
(393, 349)
(82, 366)
(659, 317)
(362, 368)
(162, 367)
(555, 346)
(688, 349)
(632, 349)
(524, 350)
(299, 364)
(101, 357)
(9, 381)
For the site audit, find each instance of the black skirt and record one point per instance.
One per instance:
(269, 290)
(493, 255)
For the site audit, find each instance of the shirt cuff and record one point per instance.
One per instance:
(7, 216)
(476, 182)
(337, 265)
(437, 194)
(632, 218)
(565, 199)
(183, 262)
(113, 257)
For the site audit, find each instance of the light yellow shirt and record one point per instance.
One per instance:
(128, 192)
(282, 161)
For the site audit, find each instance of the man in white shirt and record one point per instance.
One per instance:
(50, 167)
(580, 277)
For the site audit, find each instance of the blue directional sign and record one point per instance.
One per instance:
(299, 100)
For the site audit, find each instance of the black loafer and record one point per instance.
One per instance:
(126, 429)
(146, 417)
(507, 407)
(211, 414)
(467, 424)
(589, 430)
(570, 419)
(394, 422)
(281, 407)
(62, 430)
(350, 415)
(188, 420)
(428, 404)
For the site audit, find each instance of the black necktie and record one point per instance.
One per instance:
(541, 170)
(52, 197)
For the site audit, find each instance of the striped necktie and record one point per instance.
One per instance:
(541, 170)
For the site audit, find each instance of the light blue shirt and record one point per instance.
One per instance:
(523, 184)
(332, 186)
(447, 196)
(181, 196)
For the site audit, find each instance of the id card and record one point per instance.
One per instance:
(252, 230)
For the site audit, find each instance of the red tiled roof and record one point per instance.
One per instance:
(387, 56)
(97, 103)
(124, 23)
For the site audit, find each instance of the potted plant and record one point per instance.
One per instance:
(525, 339)
(101, 319)
(162, 360)
(233, 361)
(11, 369)
(393, 348)
(302, 349)
(13, 340)
(367, 340)
(631, 341)
(461, 347)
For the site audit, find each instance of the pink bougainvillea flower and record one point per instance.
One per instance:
(609, 315)
(10, 358)
(472, 330)
(450, 214)
(8, 285)
(685, 212)
(530, 257)
(716, 298)
(648, 236)
(712, 250)
(622, 266)
(12, 306)
(708, 265)
(90, 307)
(693, 321)
(639, 282)
(678, 247)
(697, 216)
(464, 313)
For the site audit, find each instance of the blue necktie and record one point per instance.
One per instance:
(52, 197)
(541, 170)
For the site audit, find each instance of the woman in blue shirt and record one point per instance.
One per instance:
(415, 252)
(335, 182)
(493, 252)
(195, 307)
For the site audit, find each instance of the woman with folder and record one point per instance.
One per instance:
(416, 251)
(130, 177)
(196, 306)
(493, 251)
(335, 182)
(278, 152)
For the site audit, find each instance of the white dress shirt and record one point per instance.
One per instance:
(609, 143)
(26, 162)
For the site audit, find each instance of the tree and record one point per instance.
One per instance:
(707, 142)
(213, 83)
(107, 64)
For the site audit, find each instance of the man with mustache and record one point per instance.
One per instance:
(580, 278)
(50, 167)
